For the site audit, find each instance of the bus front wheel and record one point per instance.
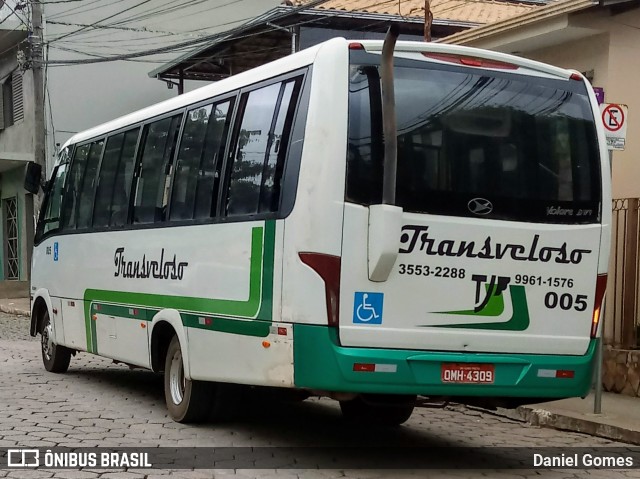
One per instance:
(378, 410)
(187, 400)
(56, 358)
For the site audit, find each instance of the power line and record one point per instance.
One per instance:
(102, 20)
(114, 27)
(190, 32)
(75, 9)
(158, 11)
(188, 43)
(22, 20)
(61, 1)
(164, 9)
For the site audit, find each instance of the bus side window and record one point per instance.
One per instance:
(201, 146)
(50, 217)
(159, 145)
(261, 147)
(89, 184)
(101, 214)
(119, 210)
(72, 189)
(116, 172)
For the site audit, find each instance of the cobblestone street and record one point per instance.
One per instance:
(98, 403)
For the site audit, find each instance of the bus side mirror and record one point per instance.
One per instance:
(33, 177)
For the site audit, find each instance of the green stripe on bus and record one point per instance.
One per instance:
(87, 325)
(245, 327)
(258, 306)
(266, 304)
(120, 311)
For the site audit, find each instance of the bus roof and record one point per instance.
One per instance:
(300, 60)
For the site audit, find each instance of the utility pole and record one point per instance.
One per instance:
(35, 61)
(428, 19)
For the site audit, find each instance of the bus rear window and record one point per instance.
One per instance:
(468, 138)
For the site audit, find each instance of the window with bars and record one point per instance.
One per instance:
(12, 260)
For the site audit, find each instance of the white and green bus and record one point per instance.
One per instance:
(236, 234)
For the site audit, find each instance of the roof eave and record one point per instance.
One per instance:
(538, 15)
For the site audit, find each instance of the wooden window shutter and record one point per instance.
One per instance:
(2, 89)
(18, 101)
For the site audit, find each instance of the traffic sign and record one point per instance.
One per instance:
(614, 119)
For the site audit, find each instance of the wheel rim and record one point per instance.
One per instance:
(177, 381)
(47, 342)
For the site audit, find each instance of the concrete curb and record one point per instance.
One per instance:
(594, 425)
(13, 310)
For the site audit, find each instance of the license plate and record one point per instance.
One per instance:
(467, 373)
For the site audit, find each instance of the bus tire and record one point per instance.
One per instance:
(187, 400)
(56, 358)
(378, 410)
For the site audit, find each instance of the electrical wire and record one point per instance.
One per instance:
(182, 6)
(102, 20)
(209, 38)
(79, 10)
(188, 43)
(22, 20)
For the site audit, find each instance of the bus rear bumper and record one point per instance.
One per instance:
(320, 363)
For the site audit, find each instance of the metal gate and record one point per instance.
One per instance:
(12, 259)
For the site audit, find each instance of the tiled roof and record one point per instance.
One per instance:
(475, 11)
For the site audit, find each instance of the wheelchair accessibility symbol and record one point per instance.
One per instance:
(367, 308)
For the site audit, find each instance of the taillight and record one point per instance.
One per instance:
(356, 46)
(328, 268)
(601, 287)
(470, 61)
(576, 76)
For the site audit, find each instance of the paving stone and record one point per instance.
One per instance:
(99, 404)
(75, 475)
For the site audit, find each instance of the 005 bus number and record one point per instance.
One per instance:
(566, 301)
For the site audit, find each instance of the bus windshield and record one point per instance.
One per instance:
(526, 144)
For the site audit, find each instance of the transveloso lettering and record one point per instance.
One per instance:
(147, 268)
(413, 235)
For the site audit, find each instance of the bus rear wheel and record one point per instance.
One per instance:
(56, 358)
(187, 400)
(378, 410)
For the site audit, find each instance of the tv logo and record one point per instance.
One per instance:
(23, 458)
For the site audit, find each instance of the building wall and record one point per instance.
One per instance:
(11, 185)
(16, 141)
(16, 149)
(612, 55)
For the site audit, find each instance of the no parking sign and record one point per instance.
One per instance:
(614, 118)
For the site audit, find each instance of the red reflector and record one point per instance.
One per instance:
(576, 76)
(208, 321)
(601, 288)
(367, 368)
(134, 312)
(565, 374)
(356, 46)
(282, 331)
(97, 307)
(470, 61)
(328, 268)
